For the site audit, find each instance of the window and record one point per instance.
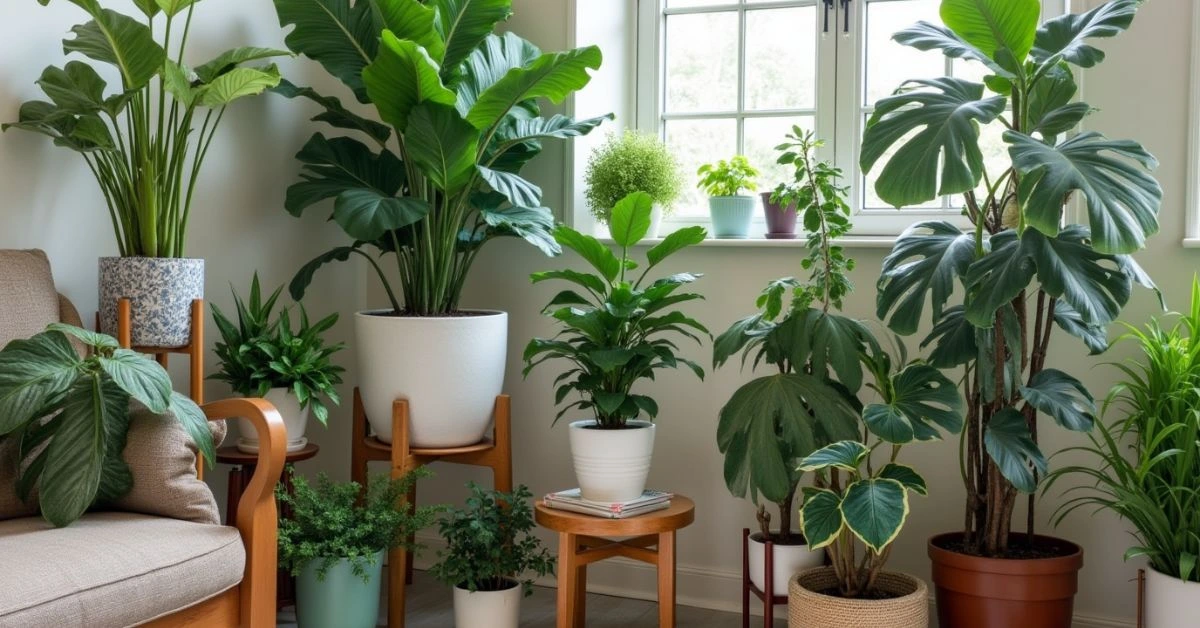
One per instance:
(717, 78)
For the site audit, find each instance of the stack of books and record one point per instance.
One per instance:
(573, 501)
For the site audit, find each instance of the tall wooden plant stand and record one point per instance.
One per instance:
(769, 600)
(495, 452)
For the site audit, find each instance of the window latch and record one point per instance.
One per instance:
(828, 7)
(845, 17)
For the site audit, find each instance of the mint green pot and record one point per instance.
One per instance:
(342, 599)
(731, 215)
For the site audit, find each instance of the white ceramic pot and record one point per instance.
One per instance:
(160, 291)
(786, 561)
(295, 419)
(1170, 602)
(449, 368)
(487, 609)
(612, 465)
(656, 217)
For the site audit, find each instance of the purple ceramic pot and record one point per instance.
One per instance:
(781, 222)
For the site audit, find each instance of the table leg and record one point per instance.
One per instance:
(238, 479)
(568, 575)
(396, 560)
(666, 580)
(580, 615)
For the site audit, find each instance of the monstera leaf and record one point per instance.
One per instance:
(921, 399)
(995, 279)
(1065, 37)
(925, 263)
(1062, 397)
(926, 36)
(1013, 449)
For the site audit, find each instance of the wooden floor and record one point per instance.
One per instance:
(430, 605)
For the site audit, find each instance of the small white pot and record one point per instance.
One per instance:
(612, 465)
(487, 609)
(295, 419)
(656, 217)
(1170, 602)
(786, 561)
(449, 368)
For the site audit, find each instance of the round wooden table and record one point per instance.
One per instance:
(584, 539)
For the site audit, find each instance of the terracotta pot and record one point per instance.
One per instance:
(781, 222)
(807, 608)
(1002, 593)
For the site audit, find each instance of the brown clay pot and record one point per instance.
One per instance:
(807, 608)
(977, 592)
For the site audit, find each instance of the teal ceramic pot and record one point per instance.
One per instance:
(342, 599)
(731, 215)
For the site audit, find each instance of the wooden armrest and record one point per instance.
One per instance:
(257, 517)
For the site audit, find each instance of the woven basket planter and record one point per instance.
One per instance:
(806, 608)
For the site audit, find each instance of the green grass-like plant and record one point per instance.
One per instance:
(631, 162)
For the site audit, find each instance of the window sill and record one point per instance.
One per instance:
(850, 242)
(1191, 243)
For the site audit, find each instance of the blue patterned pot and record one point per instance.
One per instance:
(161, 291)
(731, 215)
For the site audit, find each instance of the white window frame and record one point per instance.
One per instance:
(1192, 236)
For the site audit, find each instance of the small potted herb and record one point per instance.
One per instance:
(489, 551)
(632, 162)
(812, 182)
(615, 333)
(334, 543)
(262, 356)
(724, 182)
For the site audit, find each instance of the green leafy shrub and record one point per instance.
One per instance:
(631, 162)
(728, 178)
(489, 543)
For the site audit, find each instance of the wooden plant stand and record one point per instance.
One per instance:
(769, 600)
(495, 452)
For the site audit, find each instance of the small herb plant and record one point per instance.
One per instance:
(48, 393)
(631, 162)
(728, 178)
(489, 544)
(617, 330)
(328, 523)
(260, 353)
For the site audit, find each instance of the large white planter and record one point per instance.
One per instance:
(1170, 602)
(295, 419)
(160, 291)
(786, 561)
(450, 369)
(612, 465)
(487, 609)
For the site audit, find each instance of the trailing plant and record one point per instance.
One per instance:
(146, 143)
(728, 178)
(617, 331)
(262, 353)
(631, 162)
(1020, 268)
(489, 543)
(332, 521)
(80, 406)
(440, 175)
(1157, 488)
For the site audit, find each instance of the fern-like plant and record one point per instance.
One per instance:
(631, 162)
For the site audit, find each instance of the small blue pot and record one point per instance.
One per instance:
(731, 215)
(341, 598)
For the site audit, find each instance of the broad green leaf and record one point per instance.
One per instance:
(335, 113)
(335, 165)
(1069, 320)
(836, 342)
(943, 157)
(32, 373)
(341, 36)
(121, 41)
(552, 76)
(76, 88)
(413, 20)
(304, 276)
(821, 518)
(192, 418)
(140, 377)
(1062, 397)
(995, 279)
(173, 7)
(230, 59)
(924, 395)
(556, 126)
(149, 7)
(86, 336)
(177, 80)
(610, 360)
(365, 214)
(926, 36)
(1123, 199)
(1011, 446)
(674, 242)
(75, 457)
(593, 283)
(535, 225)
(875, 511)
(740, 334)
(238, 83)
(1070, 269)
(463, 25)
(905, 475)
(1051, 110)
(402, 77)
(443, 145)
(630, 219)
(953, 338)
(1065, 37)
(591, 250)
(488, 63)
(991, 25)
(927, 259)
(846, 455)
(519, 191)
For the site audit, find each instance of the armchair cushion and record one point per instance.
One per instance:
(112, 569)
(28, 300)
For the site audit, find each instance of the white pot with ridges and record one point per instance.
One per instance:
(1170, 602)
(611, 465)
(786, 561)
(488, 609)
(295, 420)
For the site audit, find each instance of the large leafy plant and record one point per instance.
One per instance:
(71, 415)
(1145, 467)
(617, 330)
(146, 142)
(1021, 267)
(440, 175)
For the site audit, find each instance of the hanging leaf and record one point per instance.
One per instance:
(519, 191)
(335, 113)
(75, 88)
(336, 165)
(366, 214)
(341, 36)
(926, 36)
(552, 76)
(230, 59)
(32, 373)
(953, 338)
(1069, 268)
(1070, 321)
(75, 456)
(1062, 397)
(997, 278)
(140, 377)
(905, 475)
(121, 41)
(1011, 446)
(1065, 37)
(921, 396)
(535, 225)
(926, 262)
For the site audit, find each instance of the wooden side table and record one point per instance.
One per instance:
(583, 539)
(239, 479)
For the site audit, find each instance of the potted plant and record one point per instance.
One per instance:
(262, 356)
(490, 548)
(463, 106)
(1021, 271)
(80, 405)
(145, 144)
(333, 542)
(615, 333)
(812, 182)
(730, 210)
(632, 162)
(1157, 488)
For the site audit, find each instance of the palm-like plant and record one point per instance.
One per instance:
(1019, 268)
(440, 175)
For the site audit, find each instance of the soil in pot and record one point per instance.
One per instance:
(900, 601)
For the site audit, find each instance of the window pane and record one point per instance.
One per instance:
(684, 4)
(702, 62)
(871, 200)
(781, 58)
(762, 135)
(887, 62)
(697, 142)
(995, 157)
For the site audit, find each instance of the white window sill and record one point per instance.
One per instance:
(1191, 243)
(850, 242)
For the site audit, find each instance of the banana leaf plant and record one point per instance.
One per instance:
(71, 416)
(1020, 267)
(438, 174)
(618, 330)
(145, 142)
